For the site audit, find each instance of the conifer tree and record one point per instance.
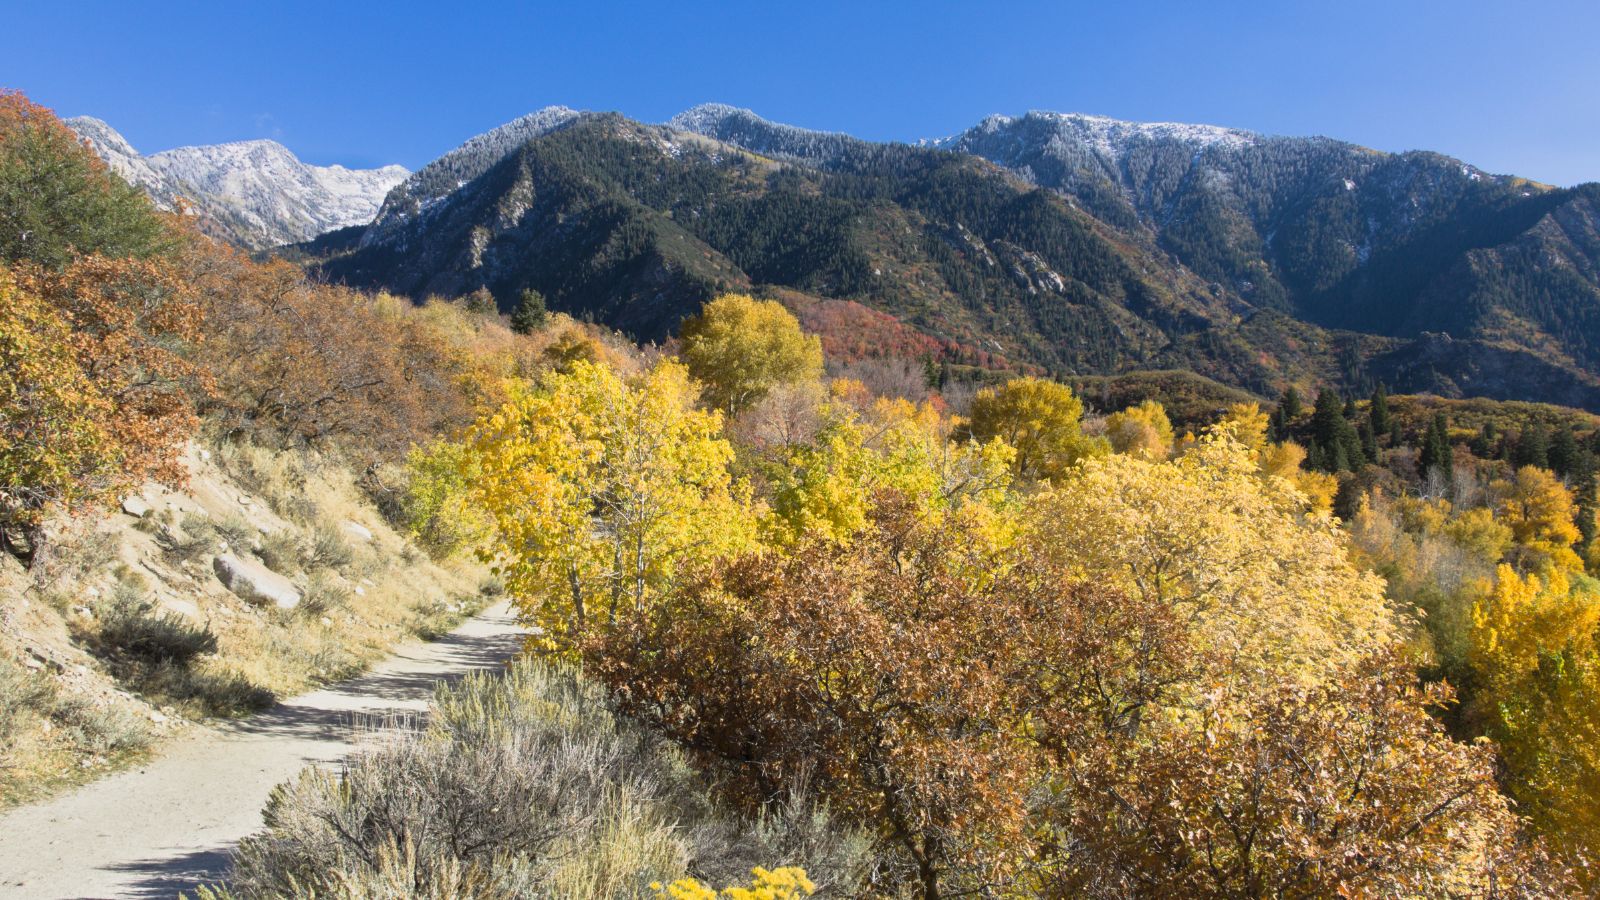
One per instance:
(1290, 404)
(1435, 454)
(1533, 448)
(531, 313)
(1369, 441)
(1378, 413)
(1341, 446)
(1563, 453)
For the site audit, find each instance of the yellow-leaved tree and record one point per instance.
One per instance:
(1040, 419)
(741, 348)
(1142, 430)
(1539, 510)
(1534, 650)
(1279, 460)
(600, 488)
(1266, 581)
(825, 487)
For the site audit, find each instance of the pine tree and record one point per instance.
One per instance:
(1369, 441)
(1290, 405)
(1563, 455)
(1485, 443)
(1314, 458)
(531, 313)
(1378, 412)
(1341, 445)
(1533, 448)
(1435, 454)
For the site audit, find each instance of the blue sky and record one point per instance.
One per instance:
(1509, 87)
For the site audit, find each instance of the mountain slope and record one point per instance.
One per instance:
(636, 225)
(1075, 244)
(439, 178)
(254, 193)
(1333, 233)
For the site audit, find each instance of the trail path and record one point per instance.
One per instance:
(168, 825)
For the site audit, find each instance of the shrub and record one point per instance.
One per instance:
(158, 654)
(31, 700)
(129, 628)
(322, 595)
(93, 392)
(21, 693)
(283, 552)
(327, 549)
(235, 530)
(521, 785)
(196, 538)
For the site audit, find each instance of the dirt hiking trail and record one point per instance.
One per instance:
(168, 825)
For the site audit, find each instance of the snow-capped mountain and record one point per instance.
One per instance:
(256, 194)
(743, 128)
(447, 173)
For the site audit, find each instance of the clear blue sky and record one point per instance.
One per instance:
(1511, 87)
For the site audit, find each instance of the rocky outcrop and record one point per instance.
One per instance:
(255, 582)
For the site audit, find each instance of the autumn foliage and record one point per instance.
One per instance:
(1029, 659)
(96, 396)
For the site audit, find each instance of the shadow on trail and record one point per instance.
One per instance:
(167, 877)
(332, 716)
(331, 713)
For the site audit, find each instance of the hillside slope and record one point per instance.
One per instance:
(277, 556)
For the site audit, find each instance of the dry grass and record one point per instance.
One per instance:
(51, 737)
(137, 604)
(358, 598)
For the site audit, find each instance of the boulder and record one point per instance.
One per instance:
(136, 506)
(358, 531)
(254, 581)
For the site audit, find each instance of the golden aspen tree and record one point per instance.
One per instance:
(1539, 510)
(600, 489)
(1040, 419)
(1534, 650)
(1142, 430)
(741, 348)
(1267, 584)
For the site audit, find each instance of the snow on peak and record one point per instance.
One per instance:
(450, 172)
(256, 192)
(744, 128)
(1111, 137)
(708, 116)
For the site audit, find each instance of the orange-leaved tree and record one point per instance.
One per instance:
(95, 396)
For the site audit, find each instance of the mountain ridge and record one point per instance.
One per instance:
(255, 193)
(1259, 260)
